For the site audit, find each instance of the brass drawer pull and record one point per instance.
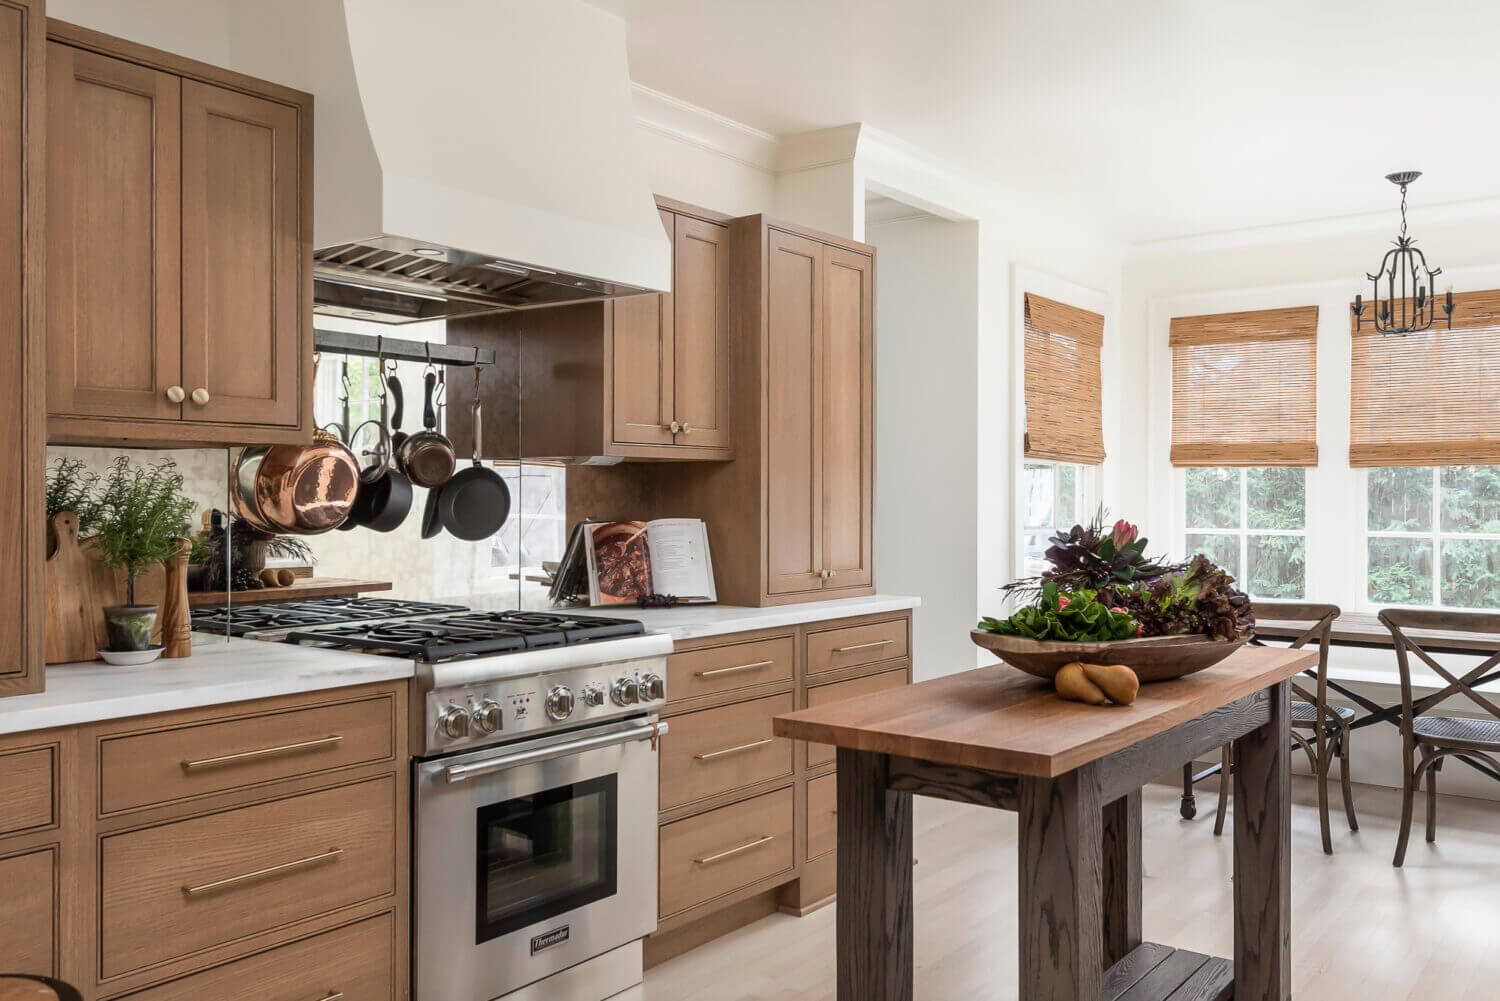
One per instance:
(335, 996)
(219, 884)
(862, 646)
(263, 752)
(711, 859)
(710, 755)
(731, 670)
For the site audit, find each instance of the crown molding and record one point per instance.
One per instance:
(697, 126)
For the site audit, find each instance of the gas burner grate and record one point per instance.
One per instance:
(242, 620)
(470, 634)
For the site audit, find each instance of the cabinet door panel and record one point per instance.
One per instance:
(846, 413)
(242, 286)
(641, 365)
(793, 488)
(28, 918)
(113, 204)
(700, 344)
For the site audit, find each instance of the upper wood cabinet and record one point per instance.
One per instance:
(22, 347)
(657, 365)
(791, 519)
(179, 260)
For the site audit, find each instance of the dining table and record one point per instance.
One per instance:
(1073, 774)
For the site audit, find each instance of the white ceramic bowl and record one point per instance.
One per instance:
(131, 658)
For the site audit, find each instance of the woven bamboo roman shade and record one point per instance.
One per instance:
(1244, 388)
(1064, 409)
(1428, 399)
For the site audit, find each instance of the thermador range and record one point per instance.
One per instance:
(534, 797)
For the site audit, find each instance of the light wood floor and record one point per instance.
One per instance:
(1360, 928)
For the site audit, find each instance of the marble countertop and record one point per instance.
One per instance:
(219, 671)
(690, 622)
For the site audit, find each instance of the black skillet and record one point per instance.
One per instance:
(384, 503)
(475, 502)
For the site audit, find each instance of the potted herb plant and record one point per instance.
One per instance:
(141, 517)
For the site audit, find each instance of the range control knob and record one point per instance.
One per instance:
(454, 722)
(488, 718)
(560, 702)
(625, 692)
(653, 688)
(593, 695)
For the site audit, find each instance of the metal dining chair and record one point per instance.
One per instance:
(1328, 724)
(1431, 738)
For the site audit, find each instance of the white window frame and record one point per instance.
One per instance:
(1244, 531)
(1088, 491)
(1435, 535)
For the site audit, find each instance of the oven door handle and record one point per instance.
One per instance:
(648, 731)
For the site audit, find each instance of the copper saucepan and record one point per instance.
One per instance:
(296, 489)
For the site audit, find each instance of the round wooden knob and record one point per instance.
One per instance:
(175, 394)
(200, 396)
(685, 428)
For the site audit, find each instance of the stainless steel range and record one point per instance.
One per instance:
(534, 794)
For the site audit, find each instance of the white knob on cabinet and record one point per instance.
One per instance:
(175, 394)
(200, 396)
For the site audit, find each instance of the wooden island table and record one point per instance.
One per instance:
(1073, 773)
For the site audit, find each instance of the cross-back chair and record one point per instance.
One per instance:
(1328, 724)
(1427, 739)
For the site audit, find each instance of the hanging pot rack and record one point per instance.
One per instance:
(342, 342)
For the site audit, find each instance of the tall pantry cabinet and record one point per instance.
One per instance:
(791, 519)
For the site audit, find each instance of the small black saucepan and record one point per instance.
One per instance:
(385, 501)
(475, 502)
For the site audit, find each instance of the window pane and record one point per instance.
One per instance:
(1039, 500)
(1277, 566)
(1471, 499)
(1034, 545)
(1213, 498)
(1471, 572)
(1276, 498)
(1400, 500)
(1400, 571)
(1068, 501)
(1222, 549)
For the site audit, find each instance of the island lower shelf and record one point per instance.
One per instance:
(1152, 972)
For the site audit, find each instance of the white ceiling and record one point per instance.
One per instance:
(1156, 118)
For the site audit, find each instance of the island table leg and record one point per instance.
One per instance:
(1262, 860)
(1060, 831)
(875, 935)
(1122, 877)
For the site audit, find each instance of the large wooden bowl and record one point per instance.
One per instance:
(1152, 658)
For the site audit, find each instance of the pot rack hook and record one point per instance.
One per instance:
(380, 364)
(477, 369)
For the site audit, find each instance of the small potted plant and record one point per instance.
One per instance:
(142, 516)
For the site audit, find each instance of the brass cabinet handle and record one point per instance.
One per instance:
(731, 670)
(711, 859)
(220, 884)
(862, 646)
(335, 996)
(263, 752)
(175, 394)
(200, 396)
(710, 755)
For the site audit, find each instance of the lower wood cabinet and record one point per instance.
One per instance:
(28, 916)
(822, 695)
(822, 815)
(719, 750)
(714, 853)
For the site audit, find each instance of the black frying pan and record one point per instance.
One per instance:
(384, 503)
(475, 502)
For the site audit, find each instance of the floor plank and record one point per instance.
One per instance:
(1360, 928)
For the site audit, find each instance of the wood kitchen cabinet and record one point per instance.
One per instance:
(179, 249)
(22, 345)
(641, 377)
(791, 519)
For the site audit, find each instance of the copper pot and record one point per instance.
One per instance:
(296, 489)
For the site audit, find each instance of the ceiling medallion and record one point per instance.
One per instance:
(1402, 293)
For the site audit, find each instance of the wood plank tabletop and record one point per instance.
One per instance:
(999, 719)
(1365, 629)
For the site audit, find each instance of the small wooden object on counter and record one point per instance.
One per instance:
(998, 739)
(72, 629)
(176, 615)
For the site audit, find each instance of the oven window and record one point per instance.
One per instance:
(544, 854)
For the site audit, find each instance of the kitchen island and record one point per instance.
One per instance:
(1073, 773)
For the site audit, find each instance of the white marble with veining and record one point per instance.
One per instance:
(219, 671)
(691, 622)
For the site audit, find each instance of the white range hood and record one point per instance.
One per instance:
(470, 155)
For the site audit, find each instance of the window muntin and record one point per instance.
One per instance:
(1253, 523)
(1433, 536)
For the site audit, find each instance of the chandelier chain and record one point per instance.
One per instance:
(1403, 211)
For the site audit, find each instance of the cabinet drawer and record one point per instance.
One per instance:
(26, 779)
(822, 815)
(819, 754)
(28, 914)
(150, 768)
(726, 668)
(852, 646)
(172, 890)
(354, 962)
(716, 852)
(717, 750)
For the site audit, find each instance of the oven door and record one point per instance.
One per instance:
(532, 857)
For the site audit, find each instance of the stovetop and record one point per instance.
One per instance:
(245, 620)
(469, 634)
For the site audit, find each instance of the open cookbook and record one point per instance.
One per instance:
(616, 562)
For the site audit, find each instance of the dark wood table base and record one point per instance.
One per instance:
(1079, 853)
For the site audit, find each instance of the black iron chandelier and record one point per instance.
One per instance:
(1402, 294)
